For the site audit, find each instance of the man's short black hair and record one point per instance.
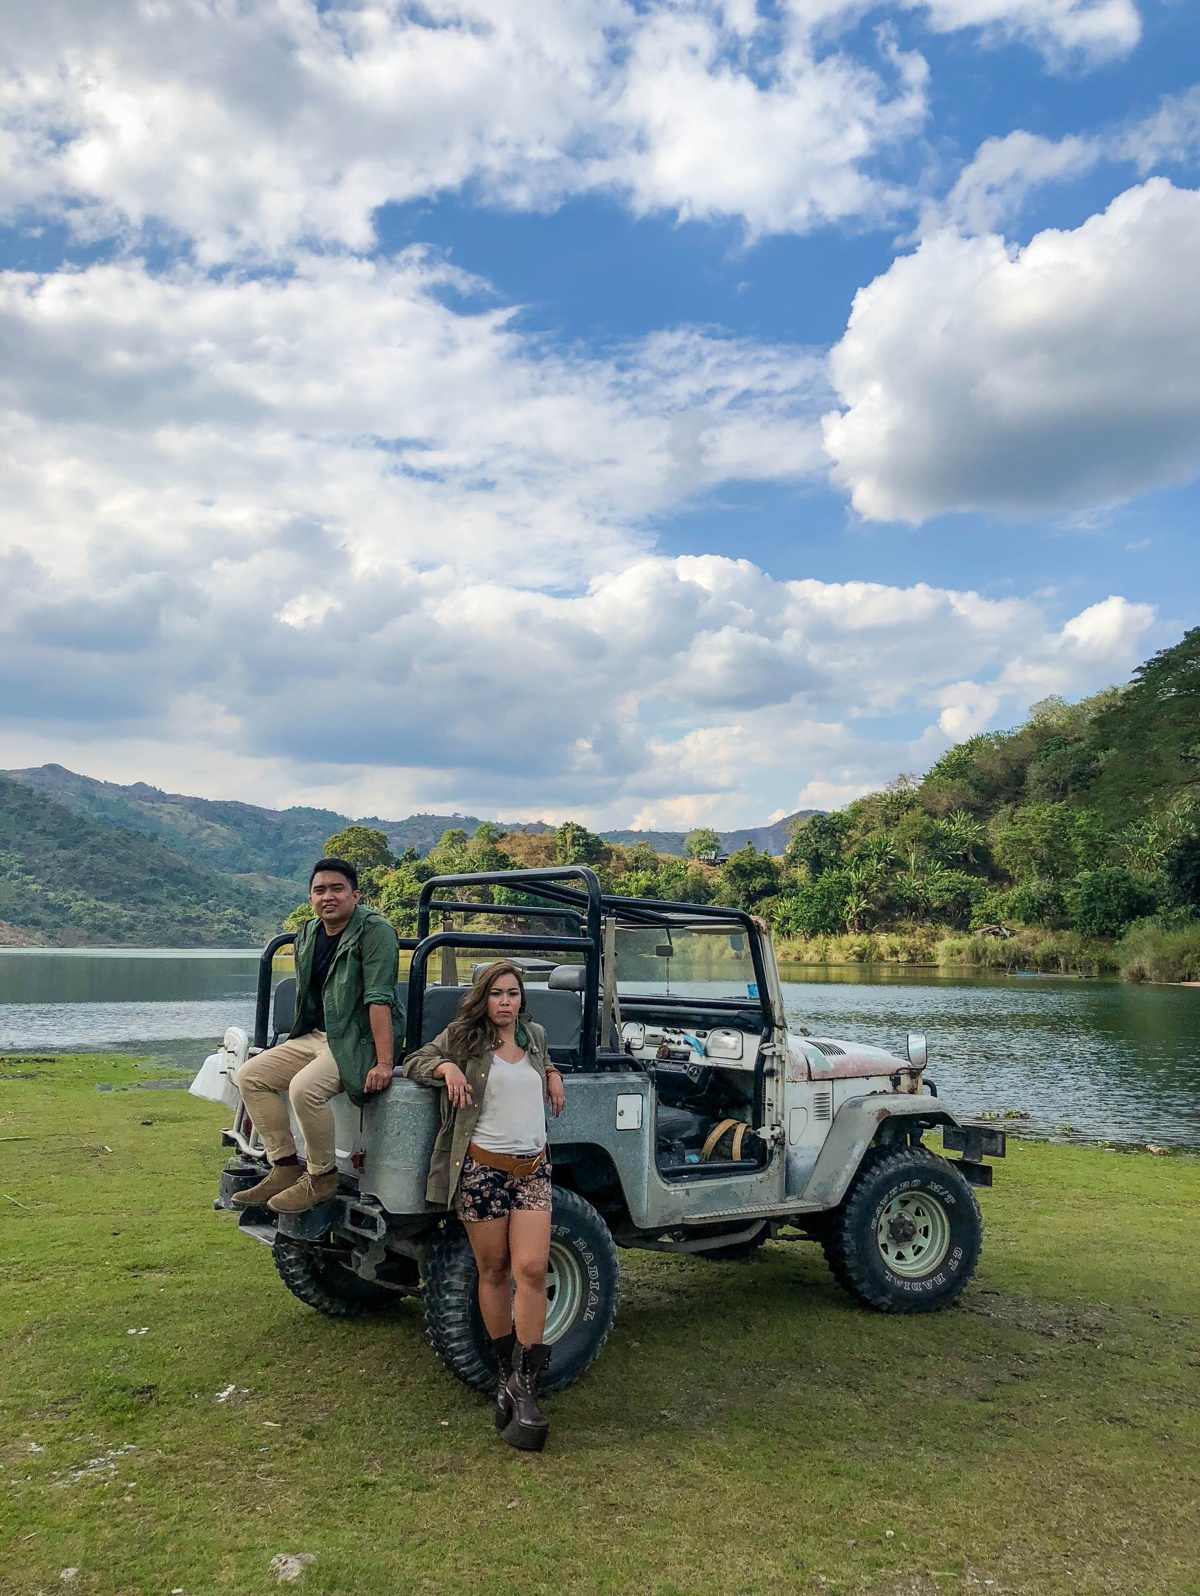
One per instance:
(342, 866)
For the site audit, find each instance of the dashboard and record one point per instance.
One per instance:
(689, 1050)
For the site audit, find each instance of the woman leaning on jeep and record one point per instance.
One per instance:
(490, 1162)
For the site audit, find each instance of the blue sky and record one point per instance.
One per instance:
(659, 414)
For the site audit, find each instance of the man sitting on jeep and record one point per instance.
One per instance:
(348, 1012)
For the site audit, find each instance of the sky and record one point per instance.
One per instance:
(657, 414)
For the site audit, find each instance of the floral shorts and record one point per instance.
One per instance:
(485, 1193)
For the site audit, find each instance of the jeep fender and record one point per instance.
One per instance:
(855, 1128)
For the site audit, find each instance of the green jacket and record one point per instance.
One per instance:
(458, 1124)
(363, 972)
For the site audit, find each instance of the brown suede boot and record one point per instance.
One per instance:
(281, 1176)
(305, 1194)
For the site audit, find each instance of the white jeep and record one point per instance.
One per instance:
(695, 1122)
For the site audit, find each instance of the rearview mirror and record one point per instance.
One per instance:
(663, 950)
(737, 942)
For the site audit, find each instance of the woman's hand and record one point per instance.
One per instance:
(455, 1081)
(554, 1091)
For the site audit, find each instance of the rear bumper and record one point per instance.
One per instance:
(356, 1218)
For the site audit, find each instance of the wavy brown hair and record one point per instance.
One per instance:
(472, 1030)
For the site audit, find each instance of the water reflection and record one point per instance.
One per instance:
(1114, 1061)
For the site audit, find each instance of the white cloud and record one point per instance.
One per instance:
(1171, 133)
(365, 548)
(1058, 377)
(1065, 31)
(993, 188)
(250, 129)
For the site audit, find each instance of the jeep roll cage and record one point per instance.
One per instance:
(583, 906)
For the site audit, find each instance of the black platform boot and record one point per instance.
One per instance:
(527, 1427)
(503, 1348)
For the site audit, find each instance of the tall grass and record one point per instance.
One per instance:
(1149, 952)
(915, 945)
(1032, 948)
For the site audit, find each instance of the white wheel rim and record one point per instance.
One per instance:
(913, 1234)
(564, 1291)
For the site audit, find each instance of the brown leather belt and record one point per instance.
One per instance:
(507, 1163)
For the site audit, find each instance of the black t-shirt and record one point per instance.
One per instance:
(324, 948)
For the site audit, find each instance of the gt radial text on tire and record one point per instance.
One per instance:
(582, 1288)
(906, 1238)
(315, 1276)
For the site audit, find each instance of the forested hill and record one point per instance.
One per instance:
(1085, 818)
(236, 837)
(247, 839)
(68, 880)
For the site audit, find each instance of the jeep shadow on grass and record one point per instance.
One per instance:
(695, 1123)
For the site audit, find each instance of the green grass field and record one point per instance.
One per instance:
(746, 1429)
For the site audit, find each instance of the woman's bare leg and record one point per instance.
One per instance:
(528, 1244)
(489, 1243)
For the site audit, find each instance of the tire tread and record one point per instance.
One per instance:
(842, 1243)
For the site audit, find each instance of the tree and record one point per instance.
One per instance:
(818, 844)
(299, 915)
(703, 843)
(1105, 901)
(360, 846)
(960, 837)
(1054, 841)
(814, 908)
(575, 844)
(1151, 733)
(747, 877)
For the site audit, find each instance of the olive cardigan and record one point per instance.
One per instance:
(458, 1124)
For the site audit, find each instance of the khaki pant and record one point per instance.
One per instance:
(305, 1068)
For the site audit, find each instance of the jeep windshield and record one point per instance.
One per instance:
(701, 961)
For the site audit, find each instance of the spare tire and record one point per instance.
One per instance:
(315, 1275)
(582, 1288)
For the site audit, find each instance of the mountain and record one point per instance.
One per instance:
(424, 832)
(69, 880)
(245, 839)
(767, 839)
(236, 837)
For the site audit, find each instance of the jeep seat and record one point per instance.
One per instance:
(560, 1014)
(283, 1009)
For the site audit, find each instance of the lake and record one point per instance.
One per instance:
(1113, 1062)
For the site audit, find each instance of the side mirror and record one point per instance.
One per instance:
(918, 1049)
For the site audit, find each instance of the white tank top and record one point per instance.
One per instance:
(513, 1117)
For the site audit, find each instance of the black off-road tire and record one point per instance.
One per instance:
(584, 1264)
(867, 1245)
(324, 1284)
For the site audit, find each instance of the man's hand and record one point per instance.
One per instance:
(554, 1091)
(378, 1079)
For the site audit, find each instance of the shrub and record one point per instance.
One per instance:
(1154, 951)
(1105, 901)
(814, 908)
